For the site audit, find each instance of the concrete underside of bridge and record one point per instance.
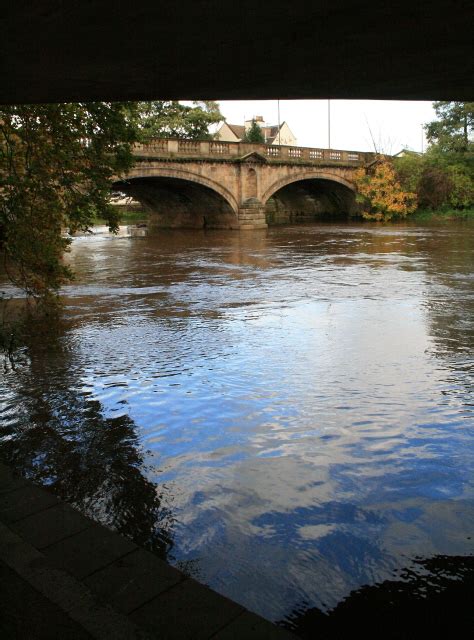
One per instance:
(172, 203)
(82, 50)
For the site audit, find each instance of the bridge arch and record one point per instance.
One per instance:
(142, 172)
(307, 196)
(305, 175)
(176, 198)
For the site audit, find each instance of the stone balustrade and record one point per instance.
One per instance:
(213, 149)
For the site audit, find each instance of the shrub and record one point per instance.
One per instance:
(381, 194)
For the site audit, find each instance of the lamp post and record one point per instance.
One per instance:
(329, 124)
(279, 129)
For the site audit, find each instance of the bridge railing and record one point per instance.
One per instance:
(173, 148)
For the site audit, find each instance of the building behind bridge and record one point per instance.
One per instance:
(273, 134)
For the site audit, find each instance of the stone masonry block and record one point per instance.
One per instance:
(252, 627)
(9, 481)
(188, 611)
(51, 525)
(88, 551)
(23, 502)
(130, 582)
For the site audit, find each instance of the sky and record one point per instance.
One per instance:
(395, 124)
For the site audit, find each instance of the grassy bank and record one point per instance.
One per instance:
(131, 216)
(127, 216)
(441, 215)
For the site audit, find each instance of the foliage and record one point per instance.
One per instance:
(171, 119)
(444, 176)
(462, 181)
(409, 168)
(453, 130)
(445, 214)
(381, 194)
(434, 188)
(127, 216)
(439, 180)
(57, 163)
(254, 134)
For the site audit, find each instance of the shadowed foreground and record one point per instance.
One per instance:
(412, 607)
(62, 575)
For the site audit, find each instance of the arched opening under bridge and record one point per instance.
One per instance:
(179, 203)
(309, 200)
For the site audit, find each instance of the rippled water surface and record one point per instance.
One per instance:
(287, 415)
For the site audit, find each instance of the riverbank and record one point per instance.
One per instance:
(441, 215)
(126, 216)
(422, 215)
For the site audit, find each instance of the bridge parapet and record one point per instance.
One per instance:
(216, 150)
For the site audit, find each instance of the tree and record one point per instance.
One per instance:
(254, 134)
(380, 192)
(461, 176)
(409, 167)
(57, 165)
(454, 128)
(171, 119)
(434, 188)
(439, 179)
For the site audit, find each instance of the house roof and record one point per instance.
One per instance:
(237, 129)
(407, 151)
(271, 131)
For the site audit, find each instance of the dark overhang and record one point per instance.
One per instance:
(68, 50)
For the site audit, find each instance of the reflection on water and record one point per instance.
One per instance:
(288, 414)
(58, 435)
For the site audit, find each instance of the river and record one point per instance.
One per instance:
(287, 415)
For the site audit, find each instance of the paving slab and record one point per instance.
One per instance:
(133, 580)
(249, 626)
(51, 525)
(25, 613)
(187, 611)
(9, 482)
(89, 550)
(99, 619)
(23, 502)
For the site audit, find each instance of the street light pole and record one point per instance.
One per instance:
(279, 128)
(329, 124)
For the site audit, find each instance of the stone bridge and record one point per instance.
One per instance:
(228, 185)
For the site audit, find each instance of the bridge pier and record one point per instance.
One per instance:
(252, 215)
